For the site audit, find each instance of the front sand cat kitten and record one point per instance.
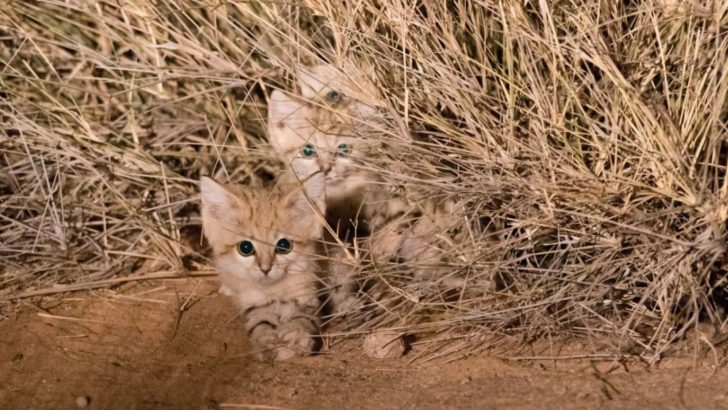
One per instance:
(265, 244)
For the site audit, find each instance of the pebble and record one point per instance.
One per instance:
(83, 401)
(384, 344)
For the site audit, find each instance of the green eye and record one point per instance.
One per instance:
(283, 246)
(334, 97)
(343, 150)
(308, 150)
(246, 248)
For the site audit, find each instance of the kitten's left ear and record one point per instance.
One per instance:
(307, 204)
(315, 187)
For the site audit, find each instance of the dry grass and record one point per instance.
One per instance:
(586, 144)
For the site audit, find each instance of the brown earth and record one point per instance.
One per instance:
(132, 349)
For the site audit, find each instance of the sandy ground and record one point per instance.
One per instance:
(132, 349)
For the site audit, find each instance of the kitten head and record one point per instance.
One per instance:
(351, 93)
(312, 139)
(263, 235)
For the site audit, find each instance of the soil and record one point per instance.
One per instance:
(179, 345)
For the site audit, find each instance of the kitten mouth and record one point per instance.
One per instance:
(270, 278)
(267, 280)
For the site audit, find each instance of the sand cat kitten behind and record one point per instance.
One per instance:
(336, 128)
(265, 243)
(315, 139)
(427, 236)
(303, 133)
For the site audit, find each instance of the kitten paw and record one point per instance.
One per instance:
(289, 341)
(284, 353)
(224, 290)
(299, 337)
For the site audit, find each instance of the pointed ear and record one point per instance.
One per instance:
(288, 127)
(217, 201)
(307, 205)
(318, 79)
(220, 209)
(281, 107)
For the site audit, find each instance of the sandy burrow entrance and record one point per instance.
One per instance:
(131, 348)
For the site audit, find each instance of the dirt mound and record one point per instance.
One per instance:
(177, 344)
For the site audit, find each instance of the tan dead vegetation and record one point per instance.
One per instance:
(585, 145)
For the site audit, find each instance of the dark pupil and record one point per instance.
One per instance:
(343, 149)
(246, 248)
(308, 150)
(333, 96)
(283, 245)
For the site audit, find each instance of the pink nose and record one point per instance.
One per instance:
(326, 168)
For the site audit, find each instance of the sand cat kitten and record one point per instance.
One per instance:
(425, 234)
(310, 140)
(341, 135)
(265, 243)
(337, 126)
(304, 134)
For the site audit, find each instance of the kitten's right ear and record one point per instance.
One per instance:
(315, 187)
(307, 205)
(287, 125)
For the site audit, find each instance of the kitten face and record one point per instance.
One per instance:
(313, 139)
(263, 236)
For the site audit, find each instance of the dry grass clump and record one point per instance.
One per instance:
(585, 145)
